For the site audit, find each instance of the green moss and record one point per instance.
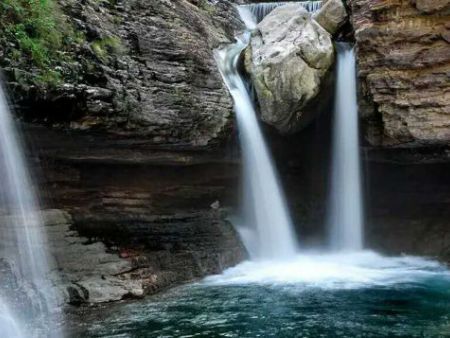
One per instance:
(40, 34)
(105, 47)
(206, 6)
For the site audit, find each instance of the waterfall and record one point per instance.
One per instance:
(345, 210)
(264, 203)
(260, 10)
(272, 235)
(22, 244)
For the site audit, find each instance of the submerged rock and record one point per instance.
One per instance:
(288, 58)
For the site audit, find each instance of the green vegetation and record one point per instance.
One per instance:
(206, 6)
(40, 37)
(107, 46)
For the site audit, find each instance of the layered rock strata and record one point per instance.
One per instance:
(149, 219)
(134, 148)
(404, 65)
(142, 70)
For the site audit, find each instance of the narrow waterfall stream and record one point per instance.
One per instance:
(264, 201)
(27, 301)
(272, 235)
(260, 10)
(345, 211)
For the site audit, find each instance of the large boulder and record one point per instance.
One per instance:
(288, 58)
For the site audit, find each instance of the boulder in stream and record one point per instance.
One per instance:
(288, 58)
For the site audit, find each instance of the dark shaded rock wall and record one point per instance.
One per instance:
(408, 208)
(163, 212)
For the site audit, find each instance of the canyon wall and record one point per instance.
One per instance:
(403, 51)
(133, 143)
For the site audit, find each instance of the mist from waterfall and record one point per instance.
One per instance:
(345, 210)
(23, 245)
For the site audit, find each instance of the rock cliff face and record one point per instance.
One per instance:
(133, 148)
(144, 70)
(404, 70)
(404, 63)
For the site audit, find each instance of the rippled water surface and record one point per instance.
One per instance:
(353, 295)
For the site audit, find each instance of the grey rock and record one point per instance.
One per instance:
(288, 58)
(146, 70)
(331, 16)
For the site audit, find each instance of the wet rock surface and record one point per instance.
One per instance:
(136, 220)
(145, 259)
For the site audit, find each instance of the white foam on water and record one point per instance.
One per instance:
(9, 326)
(333, 271)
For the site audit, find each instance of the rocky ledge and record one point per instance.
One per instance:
(160, 253)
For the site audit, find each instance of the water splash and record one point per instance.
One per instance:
(345, 212)
(22, 240)
(357, 270)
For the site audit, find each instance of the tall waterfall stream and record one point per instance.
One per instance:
(263, 202)
(345, 216)
(28, 304)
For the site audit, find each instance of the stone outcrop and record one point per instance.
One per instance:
(91, 272)
(404, 64)
(144, 70)
(148, 218)
(288, 58)
(331, 16)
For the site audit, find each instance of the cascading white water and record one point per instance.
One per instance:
(345, 211)
(272, 236)
(260, 10)
(264, 203)
(22, 243)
